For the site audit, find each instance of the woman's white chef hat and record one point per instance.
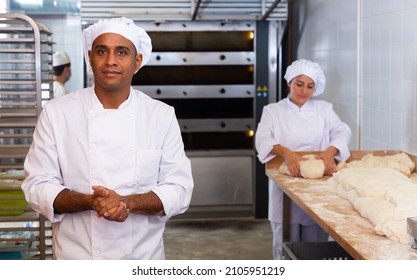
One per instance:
(60, 58)
(124, 27)
(308, 68)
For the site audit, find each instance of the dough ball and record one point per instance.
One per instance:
(283, 169)
(311, 168)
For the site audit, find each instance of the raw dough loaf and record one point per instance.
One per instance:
(382, 195)
(311, 168)
(400, 162)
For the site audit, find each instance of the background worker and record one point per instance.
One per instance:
(62, 72)
(300, 123)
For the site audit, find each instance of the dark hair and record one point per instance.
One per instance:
(59, 69)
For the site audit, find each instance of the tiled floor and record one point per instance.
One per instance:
(223, 239)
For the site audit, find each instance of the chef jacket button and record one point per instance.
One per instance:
(131, 114)
(93, 146)
(96, 253)
(92, 113)
(130, 147)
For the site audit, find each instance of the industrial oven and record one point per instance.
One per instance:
(206, 71)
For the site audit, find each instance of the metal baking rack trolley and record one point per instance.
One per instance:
(26, 82)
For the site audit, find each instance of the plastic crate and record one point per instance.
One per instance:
(15, 245)
(12, 198)
(314, 251)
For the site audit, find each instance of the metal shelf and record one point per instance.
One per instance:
(26, 49)
(186, 10)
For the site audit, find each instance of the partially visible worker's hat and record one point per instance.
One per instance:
(310, 69)
(60, 58)
(124, 27)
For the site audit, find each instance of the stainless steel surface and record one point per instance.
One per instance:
(189, 10)
(178, 26)
(225, 125)
(26, 75)
(25, 83)
(16, 151)
(216, 153)
(191, 58)
(198, 91)
(223, 184)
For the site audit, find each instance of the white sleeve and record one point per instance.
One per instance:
(264, 140)
(175, 183)
(43, 181)
(340, 136)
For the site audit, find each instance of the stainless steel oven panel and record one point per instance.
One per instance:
(223, 125)
(198, 91)
(201, 58)
(222, 180)
(184, 26)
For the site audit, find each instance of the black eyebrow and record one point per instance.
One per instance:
(117, 48)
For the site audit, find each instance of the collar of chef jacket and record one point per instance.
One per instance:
(96, 104)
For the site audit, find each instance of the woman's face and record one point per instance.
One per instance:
(302, 88)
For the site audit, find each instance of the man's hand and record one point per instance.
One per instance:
(109, 205)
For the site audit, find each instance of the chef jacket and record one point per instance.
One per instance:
(313, 127)
(133, 150)
(59, 89)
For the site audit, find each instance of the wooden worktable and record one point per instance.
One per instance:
(338, 218)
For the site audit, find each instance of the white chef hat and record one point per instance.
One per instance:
(310, 69)
(60, 58)
(124, 27)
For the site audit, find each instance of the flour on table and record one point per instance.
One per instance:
(311, 168)
(384, 196)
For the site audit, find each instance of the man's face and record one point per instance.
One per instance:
(68, 73)
(114, 61)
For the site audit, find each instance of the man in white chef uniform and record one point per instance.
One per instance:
(107, 164)
(300, 123)
(62, 72)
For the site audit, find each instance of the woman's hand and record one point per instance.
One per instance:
(292, 159)
(328, 159)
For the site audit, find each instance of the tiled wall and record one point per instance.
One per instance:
(67, 35)
(368, 49)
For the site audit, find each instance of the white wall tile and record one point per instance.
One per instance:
(396, 97)
(410, 62)
(388, 77)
